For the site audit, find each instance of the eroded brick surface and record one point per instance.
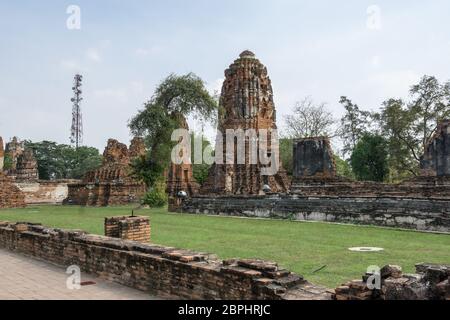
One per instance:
(164, 272)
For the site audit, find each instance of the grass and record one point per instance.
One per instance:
(299, 246)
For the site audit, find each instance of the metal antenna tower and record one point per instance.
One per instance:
(77, 123)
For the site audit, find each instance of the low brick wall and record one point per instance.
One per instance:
(128, 228)
(104, 194)
(420, 214)
(162, 271)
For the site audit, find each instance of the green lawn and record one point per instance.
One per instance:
(299, 246)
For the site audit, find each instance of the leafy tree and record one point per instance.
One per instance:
(59, 161)
(343, 168)
(409, 126)
(86, 159)
(286, 147)
(309, 120)
(8, 162)
(175, 98)
(354, 124)
(369, 159)
(147, 170)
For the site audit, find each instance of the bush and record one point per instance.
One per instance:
(155, 198)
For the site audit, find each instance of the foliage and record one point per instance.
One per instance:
(309, 120)
(156, 197)
(286, 154)
(343, 168)
(409, 126)
(8, 162)
(369, 159)
(354, 124)
(147, 170)
(176, 97)
(60, 161)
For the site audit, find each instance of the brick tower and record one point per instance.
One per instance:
(246, 103)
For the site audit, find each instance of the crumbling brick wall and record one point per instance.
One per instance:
(24, 165)
(313, 158)
(112, 184)
(10, 195)
(162, 271)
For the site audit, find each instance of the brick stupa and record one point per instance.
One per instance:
(246, 103)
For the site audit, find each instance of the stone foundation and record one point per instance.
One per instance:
(128, 228)
(162, 271)
(430, 214)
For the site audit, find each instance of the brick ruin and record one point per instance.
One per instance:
(246, 103)
(128, 228)
(172, 273)
(10, 195)
(318, 194)
(179, 177)
(430, 282)
(112, 183)
(24, 165)
(314, 158)
(164, 272)
(315, 174)
(436, 158)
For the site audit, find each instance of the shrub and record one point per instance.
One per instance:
(155, 198)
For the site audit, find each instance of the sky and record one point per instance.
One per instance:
(367, 50)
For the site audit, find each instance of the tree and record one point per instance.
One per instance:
(343, 168)
(431, 103)
(8, 162)
(309, 120)
(369, 159)
(60, 161)
(286, 147)
(354, 124)
(176, 98)
(408, 127)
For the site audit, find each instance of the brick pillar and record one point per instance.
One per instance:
(128, 228)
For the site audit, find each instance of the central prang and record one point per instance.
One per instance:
(246, 104)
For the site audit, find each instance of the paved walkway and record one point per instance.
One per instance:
(30, 279)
